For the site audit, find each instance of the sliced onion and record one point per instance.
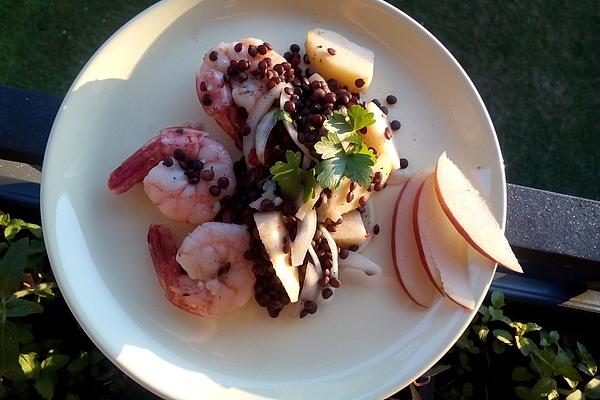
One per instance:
(260, 109)
(313, 256)
(309, 205)
(361, 263)
(290, 127)
(399, 177)
(304, 235)
(310, 288)
(368, 216)
(334, 252)
(315, 77)
(263, 130)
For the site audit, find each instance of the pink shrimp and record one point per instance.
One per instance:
(189, 194)
(218, 280)
(231, 101)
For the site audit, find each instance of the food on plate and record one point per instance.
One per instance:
(236, 85)
(217, 279)
(283, 222)
(184, 172)
(336, 57)
(429, 204)
(470, 214)
(442, 250)
(405, 253)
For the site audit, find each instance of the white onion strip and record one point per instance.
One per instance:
(334, 271)
(260, 109)
(305, 207)
(310, 288)
(263, 130)
(305, 232)
(361, 263)
(290, 127)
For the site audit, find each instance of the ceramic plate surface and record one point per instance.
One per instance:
(367, 343)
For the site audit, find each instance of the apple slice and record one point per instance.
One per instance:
(405, 255)
(271, 230)
(470, 214)
(443, 251)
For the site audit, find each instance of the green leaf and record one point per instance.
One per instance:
(504, 336)
(21, 308)
(15, 225)
(543, 387)
(360, 117)
(9, 346)
(497, 299)
(330, 172)
(498, 315)
(44, 385)
(29, 364)
(568, 371)
(592, 389)
(96, 357)
(523, 392)
(588, 364)
(498, 347)
(481, 331)
(464, 343)
(79, 364)
(358, 168)
(72, 396)
(575, 395)
(467, 390)
(281, 115)
(329, 146)
(310, 184)
(288, 175)
(521, 374)
(338, 123)
(54, 362)
(25, 336)
(525, 345)
(11, 267)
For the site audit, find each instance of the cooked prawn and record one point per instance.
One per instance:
(217, 278)
(230, 101)
(188, 190)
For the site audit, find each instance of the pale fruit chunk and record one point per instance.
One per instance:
(443, 250)
(405, 255)
(351, 231)
(305, 232)
(271, 229)
(375, 136)
(470, 214)
(349, 65)
(337, 204)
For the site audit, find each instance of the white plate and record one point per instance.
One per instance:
(370, 341)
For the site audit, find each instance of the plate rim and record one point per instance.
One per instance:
(80, 315)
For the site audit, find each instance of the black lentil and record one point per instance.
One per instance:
(376, 229)
(223, 182)
(179, 154)
(391, 99)
(168, 162)
(395, 124)
(359, 82)
(403, 163)
(331, 51)
(214, 190)
(238, 47)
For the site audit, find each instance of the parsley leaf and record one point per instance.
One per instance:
(281, 115)
(360, 117)
(288, 175)
(330, 172)
(309, 185)
(329, 146)
(343, 152)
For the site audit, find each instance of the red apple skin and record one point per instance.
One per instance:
(430, 268)
(395, 237)
(512, 266)
(419, 242)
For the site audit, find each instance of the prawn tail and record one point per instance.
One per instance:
(136, 167)
(163, 250)
(220, 107)
(179, 288)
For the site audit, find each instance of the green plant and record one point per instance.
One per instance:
(43, 352)
(497, 357)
